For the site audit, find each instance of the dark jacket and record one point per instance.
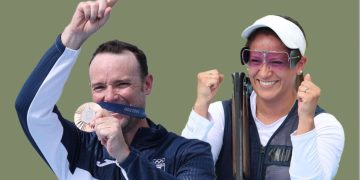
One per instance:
(74, 154)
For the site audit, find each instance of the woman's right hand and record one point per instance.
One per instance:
(207, 87)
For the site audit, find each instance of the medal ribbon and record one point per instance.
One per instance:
(124, 109)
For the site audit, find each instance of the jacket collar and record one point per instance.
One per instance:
(149, 137)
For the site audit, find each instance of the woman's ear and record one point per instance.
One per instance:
(301, 65)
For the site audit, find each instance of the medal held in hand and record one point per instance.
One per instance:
(85, 114)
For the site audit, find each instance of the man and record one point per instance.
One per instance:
(291, 137)
(121, 147)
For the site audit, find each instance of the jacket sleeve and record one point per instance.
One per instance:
(210, 130)
(35, 105)
(193, 161)
(317, 153)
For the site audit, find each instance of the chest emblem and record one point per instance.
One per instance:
(160, 163)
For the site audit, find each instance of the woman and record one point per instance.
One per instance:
(290, 135)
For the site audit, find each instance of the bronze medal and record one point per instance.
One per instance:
(85, 114)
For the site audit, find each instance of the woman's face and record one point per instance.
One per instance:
(270, 81)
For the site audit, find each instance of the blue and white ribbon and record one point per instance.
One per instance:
(124, 109)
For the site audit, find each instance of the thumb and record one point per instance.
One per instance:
(102, 113)
(221, 78)
(111, 3)
(307, 77)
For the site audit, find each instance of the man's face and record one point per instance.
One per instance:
(116, 78)
(271, 83)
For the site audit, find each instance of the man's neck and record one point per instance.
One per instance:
(129, 135)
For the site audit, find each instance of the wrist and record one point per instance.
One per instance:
(71, 39)
(128, 161)
(201, 108)
(305, 125)
(123, 155)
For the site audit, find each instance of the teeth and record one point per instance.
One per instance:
(267, 83)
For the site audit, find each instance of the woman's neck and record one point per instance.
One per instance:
(269, 111)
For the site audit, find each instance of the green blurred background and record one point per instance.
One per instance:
(180, 38)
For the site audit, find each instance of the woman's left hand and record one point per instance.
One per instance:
(308, 95)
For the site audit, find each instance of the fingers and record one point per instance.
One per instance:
(307, 84)
(89, 10)
(105, 7)
(102, 7)
(307, 77)
(102, 123)
(110, 134)
(211, 79)
(308, 96)
(308, 91)
(207, 87)
(106, 16)
(85, 9)
(208, 84)
(106, 127)
(94, 10)
(99, 114)
(111, 3)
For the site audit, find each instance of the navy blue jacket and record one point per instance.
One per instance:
(74, 154)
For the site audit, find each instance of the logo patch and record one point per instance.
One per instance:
(160, 163)
(105, 162)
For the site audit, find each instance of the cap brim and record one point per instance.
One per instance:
(289, 33)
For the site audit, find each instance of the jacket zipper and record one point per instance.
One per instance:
(261, 159)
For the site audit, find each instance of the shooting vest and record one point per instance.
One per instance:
(269, 162)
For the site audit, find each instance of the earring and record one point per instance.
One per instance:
(300, 72)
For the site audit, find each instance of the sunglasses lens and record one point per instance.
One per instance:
(295, 56)
(274, 60)
(244, 56)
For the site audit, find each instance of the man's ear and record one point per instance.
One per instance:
(148, 84)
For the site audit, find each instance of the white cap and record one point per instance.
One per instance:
(289, 33)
